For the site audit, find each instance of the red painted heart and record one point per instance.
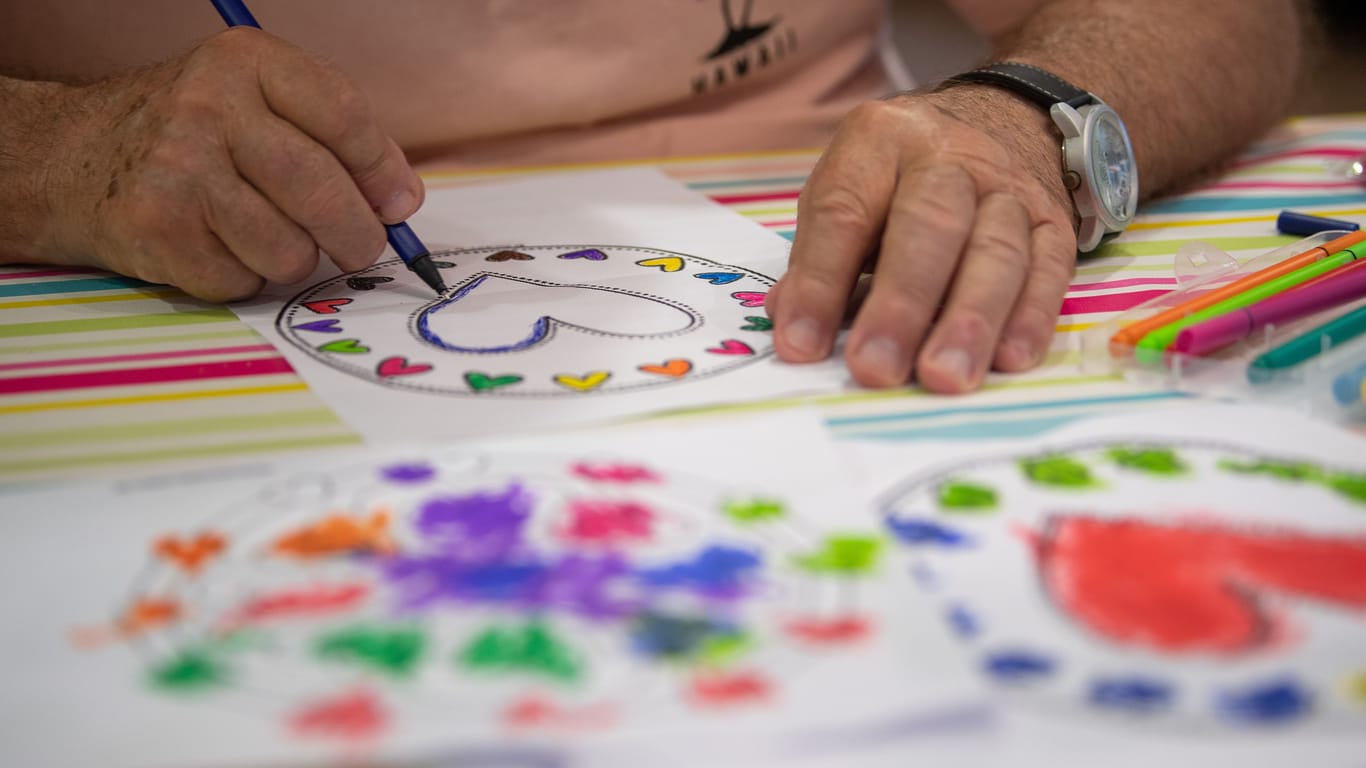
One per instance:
(749, 298)
(732, 347)
(398, 365)
(326, 306)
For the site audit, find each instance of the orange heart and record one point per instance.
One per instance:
(675, 367)
(190, 554)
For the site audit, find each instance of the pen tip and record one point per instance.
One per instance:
(430, 275)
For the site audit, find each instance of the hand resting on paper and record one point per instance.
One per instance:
(214, 171)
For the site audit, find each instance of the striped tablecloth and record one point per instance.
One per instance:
(99, 371)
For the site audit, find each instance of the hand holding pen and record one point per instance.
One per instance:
(228, 166)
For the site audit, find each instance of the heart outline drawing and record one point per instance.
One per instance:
(749, 298)
(483, 382)
(664, 263)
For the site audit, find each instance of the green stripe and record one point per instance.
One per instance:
(136, 341)
(183, 452)
(169, 428)
(50, 327)
(1158, 247)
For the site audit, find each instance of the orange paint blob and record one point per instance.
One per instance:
(190, 555)
(339, 534)
(144, 615)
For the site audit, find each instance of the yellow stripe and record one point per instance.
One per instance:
(517, 170)
(1074, 327)
(1236, 220)
(157, 398)
(154, 293)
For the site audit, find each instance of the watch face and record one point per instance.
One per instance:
(1112, 169)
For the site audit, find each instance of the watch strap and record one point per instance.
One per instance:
(1034, 83)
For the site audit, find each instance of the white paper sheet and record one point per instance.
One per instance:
(1155, 589)
(712, 595)
(574, 298)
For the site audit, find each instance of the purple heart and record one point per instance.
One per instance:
(321, 326)
(592, 254)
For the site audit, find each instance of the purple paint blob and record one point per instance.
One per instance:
(485, 525)
(408, 474)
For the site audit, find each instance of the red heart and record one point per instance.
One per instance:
(399, 366)
(675, 367)
(732, 347)
(326, 306)
(190, 555)
(1192, 587)
(749, 298)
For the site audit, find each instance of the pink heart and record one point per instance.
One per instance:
(399, 366)
(749, 298)
(732, 347)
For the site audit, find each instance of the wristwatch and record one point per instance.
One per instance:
(1097, 157)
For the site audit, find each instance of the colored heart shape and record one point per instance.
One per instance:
(345, 347)
(585, 383)
(675, 367)
(482, 382)
(320, 326)
(190, 555)
(366, 283)
(592, 254)
(326, 306)
(665, 263)
(1216, 601)
(398, 365)
(443, 264)
(732, 347)
(749, 298)
(758, 324)
(509, 256)
(719, 278)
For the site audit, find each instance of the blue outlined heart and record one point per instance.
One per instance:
(500, 314)
(719, 278)
(320, 326)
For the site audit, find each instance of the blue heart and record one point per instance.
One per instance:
(719, 278)
(321, 326)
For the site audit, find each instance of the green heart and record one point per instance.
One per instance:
(481, 382)
(345, 346)
(758, 324)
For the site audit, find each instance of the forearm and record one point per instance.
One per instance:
(1194, 80)
(27, 142)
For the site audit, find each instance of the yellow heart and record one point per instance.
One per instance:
(666, 263)
(583, 383)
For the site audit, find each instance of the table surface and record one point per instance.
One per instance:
(101, 373)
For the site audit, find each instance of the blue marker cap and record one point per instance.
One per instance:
(1292, 223)
(1347, 386)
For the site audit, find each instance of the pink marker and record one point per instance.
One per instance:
(1342, 285)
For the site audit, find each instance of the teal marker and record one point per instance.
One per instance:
(1152, 348)
(1303, 347)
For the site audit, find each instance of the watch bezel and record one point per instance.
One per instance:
(1079, 129)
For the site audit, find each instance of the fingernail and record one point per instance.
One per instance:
(399, 206)
(954, 362)
(804, 337)
(883, 357)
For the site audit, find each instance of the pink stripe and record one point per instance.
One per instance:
(758, 197)
(133, 358)
(135, 376)
(1126, 283)
(1325, 185)
(1350, 152)
(780, 224)
(48, 273)
(1116, 302)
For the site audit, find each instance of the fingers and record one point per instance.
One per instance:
(326, 106)
(841, 210)
(310, 186)
(258, 234)
(995, 265)
(204, 268)
(927, 228)
(1032, 323)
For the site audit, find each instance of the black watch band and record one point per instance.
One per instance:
(1038, 85)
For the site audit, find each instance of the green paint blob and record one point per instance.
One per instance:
(393, 651)
(1351, 486)
(845, 555)
(754, 510)
(189, 672)
(1154, 461)
(757, 323)
(1282, 470)
(1058, 472)
(533, 648)
(961, 496)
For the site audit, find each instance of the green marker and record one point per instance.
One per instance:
(1263, 368)
(1152, 347)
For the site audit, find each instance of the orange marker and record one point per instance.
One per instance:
(338, 535)
(1123, 342)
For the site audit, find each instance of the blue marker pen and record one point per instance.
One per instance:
(402, 239)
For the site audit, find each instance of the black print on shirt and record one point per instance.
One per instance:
(745, 47)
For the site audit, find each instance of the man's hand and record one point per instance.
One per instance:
(219, 170)
(958, 197)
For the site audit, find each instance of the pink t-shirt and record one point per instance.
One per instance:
(517, 82)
